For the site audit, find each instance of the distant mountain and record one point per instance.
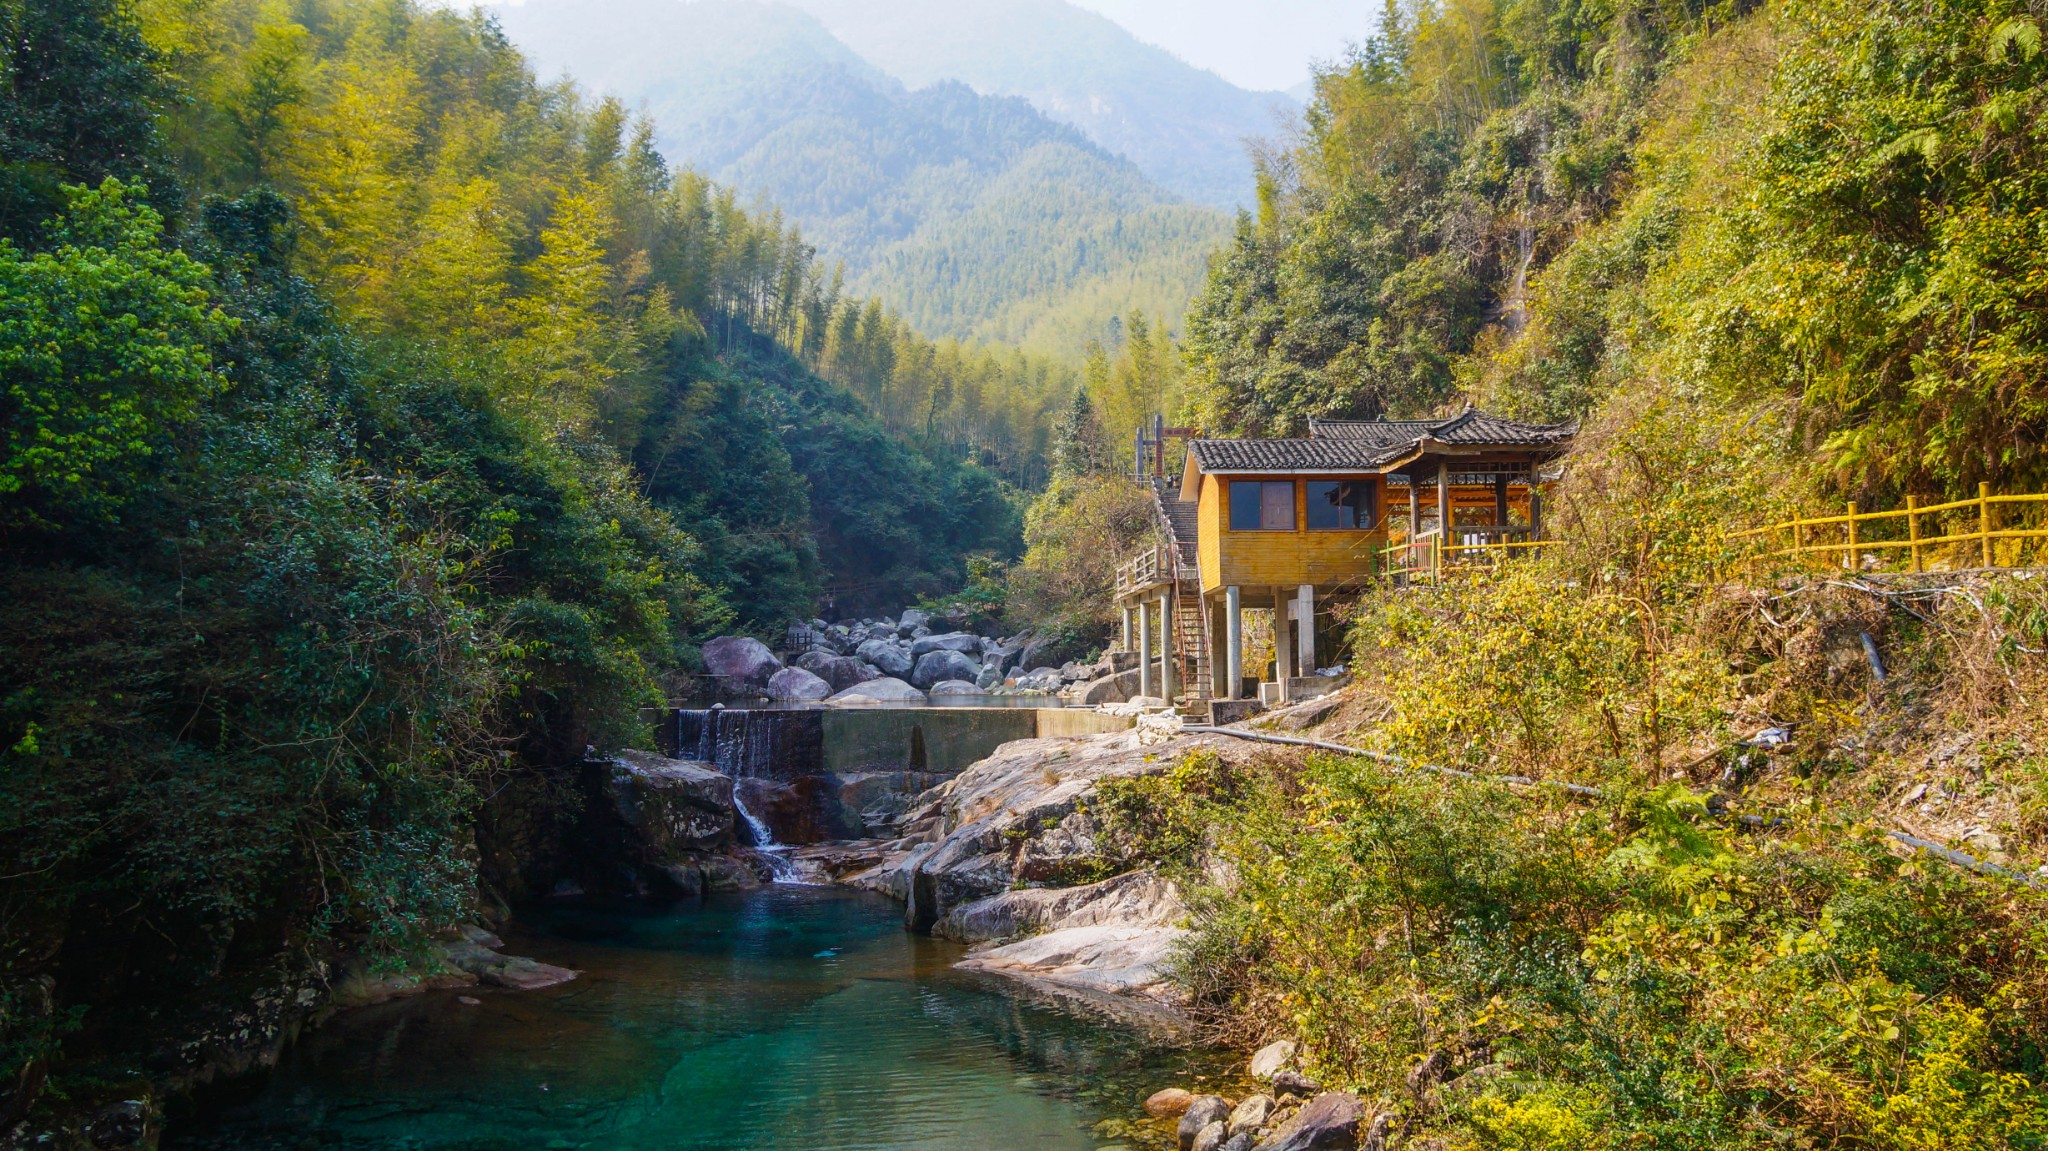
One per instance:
(975, 216)
(1182, 126)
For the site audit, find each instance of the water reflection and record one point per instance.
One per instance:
(783, 1019)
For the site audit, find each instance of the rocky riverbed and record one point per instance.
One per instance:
(910, 659)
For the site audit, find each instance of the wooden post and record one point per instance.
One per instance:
(1306, 621)
(1849, 562)
(1414, 513)
(1984, 520)
(1913, 532)
(1500, 501)
(1233, 630)
(1144, 646)
(1443, 501)
(1166, 668)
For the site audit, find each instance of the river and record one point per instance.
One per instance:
(786, 1018)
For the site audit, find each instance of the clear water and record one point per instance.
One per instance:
(788, 1018)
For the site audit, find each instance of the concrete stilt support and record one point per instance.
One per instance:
(1166, 676)
(1283, 646)
(1218, 657)
(1144, 649)
(1233, 631)
(1126, 646)
(1305, 620)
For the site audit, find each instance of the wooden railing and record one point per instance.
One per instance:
(1426, 556)
(1856, 539)
(1149, 568)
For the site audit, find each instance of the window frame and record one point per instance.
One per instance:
(1368, 486)
(1293, 500)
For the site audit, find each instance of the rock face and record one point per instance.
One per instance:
(672, 805)
(879, 691)
(741, 659)
(1135, 898)
(938, 666)
(1331, 1121)
(797, 685)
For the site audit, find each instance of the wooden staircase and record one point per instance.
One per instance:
(1191, 649)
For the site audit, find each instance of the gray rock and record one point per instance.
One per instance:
(1117, 688)
(912, 619)
(939, 666)
(956, 687)
(879, 691)
(960, 641)
(1205, 1110)
(1251, 1113)
(1242, 1141)
(671, 805)
(1271, 1058)
(1287, 1082)
(887, 656)
(840, 671)
(1331, 1121)
(988, 678)
(1044, 679)
(741, 659)
(796, 684)
(1209, 1138)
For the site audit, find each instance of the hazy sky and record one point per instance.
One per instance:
(1251, 43)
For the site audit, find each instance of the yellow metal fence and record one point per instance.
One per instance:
(1977, 532)
(1427, 557)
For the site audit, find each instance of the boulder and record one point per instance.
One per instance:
(988, 678)
(1116, 688)
(1288, 1082)
(796, 684)
(888, 656)
(1242, 1141)
(1251, 1114)
(1134, 899)
(939, 666)
(840, 671)
(1210, 1138)
(1044, 679)
(522, 974)
(883, 690)
(956, 687)
(1329, 1122)
(671, 805)
(1168, 1103)
(742, 659)
(911, 620)
(1271, 1059)
(964, 642)
(1205, 1109)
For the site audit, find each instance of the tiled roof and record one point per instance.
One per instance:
(1470, 426)
(1290, 455)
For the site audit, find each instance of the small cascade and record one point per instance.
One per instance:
(764, 842)
(753, 743)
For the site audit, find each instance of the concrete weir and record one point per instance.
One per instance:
(816, 774)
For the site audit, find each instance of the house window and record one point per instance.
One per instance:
(1341, 506)
(1261, 506)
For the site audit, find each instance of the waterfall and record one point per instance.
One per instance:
(764, 842)
(755, 743)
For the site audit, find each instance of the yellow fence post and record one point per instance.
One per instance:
(1913, 530)
(1849, 562)
(1984, 520)
(1799, 541)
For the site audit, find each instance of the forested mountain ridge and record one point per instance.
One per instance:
(1185, 128)
(976, 216)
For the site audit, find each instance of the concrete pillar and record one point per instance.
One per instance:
(1126, 646)
(1283, 647)
(1305, 619)
(1144, 649)
(1218, 656)
(1233, 631)
(1166, 669)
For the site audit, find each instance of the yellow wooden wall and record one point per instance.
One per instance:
(1288, 559)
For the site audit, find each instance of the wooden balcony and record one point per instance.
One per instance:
(1152, 568)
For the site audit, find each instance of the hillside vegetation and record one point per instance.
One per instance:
(1772, 256)
(380, 429)
(975, 216)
